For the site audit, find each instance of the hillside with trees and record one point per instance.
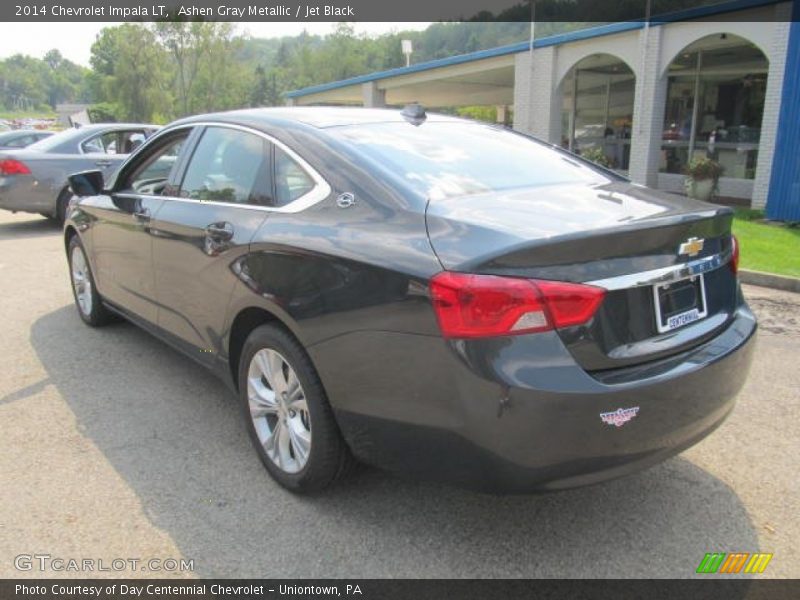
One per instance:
(160, 71)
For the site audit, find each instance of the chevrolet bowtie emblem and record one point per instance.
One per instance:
(691, 247)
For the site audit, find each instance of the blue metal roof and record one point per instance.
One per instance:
(553, 40)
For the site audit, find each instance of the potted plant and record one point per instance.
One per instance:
(596, 155)
(702, 178)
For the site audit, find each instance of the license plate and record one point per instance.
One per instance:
(679, 303)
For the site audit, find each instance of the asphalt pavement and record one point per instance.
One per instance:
(114, 446)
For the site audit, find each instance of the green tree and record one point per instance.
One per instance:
(133, 70)
(260, 91)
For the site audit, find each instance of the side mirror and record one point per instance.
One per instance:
(86, 183)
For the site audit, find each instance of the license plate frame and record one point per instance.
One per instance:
(671, 322)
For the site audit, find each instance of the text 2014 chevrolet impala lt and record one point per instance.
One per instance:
(422, 293)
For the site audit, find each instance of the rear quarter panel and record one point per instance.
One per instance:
(39, 191)
(332, 273)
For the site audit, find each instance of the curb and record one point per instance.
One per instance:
(770, 280)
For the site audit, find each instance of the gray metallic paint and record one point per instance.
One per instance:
(514, 413)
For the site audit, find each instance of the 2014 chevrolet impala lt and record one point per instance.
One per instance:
(423, 293)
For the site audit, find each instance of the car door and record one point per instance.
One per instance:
(122, 233)
(225, 190)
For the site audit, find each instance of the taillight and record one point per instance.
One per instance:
(10, 166)
(734, 264)
(472, 306)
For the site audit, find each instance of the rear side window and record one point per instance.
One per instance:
(21, 142)
(442, 159)
(229, 165)
(291, 180)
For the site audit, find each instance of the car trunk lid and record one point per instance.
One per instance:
(620, 236)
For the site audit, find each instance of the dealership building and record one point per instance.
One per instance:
(720, 81)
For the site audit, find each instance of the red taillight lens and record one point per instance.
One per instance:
(10, 166)
(734, 264)
(570, 303)
(471, 306)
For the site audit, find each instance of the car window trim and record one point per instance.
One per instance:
(318, 193)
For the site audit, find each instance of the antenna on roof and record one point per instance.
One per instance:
(414, 113)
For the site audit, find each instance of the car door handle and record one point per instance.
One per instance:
(220, 232)
(103, 163)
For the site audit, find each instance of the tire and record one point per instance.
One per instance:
(61, 206)
(279, 427)
(88, 302)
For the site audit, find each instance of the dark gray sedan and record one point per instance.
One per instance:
(423, 293)
(34, 179)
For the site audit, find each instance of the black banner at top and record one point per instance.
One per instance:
(598, 11)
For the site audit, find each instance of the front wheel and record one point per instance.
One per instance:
(288, 416)
(87, 300)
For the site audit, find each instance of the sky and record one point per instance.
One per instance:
(74, 40)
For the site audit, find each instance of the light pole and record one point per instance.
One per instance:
(407, 50)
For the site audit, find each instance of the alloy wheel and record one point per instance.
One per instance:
(279, 410)
(81, 281)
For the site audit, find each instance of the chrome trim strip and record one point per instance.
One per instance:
(664, 274)
(318, 193)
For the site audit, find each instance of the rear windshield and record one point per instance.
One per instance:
(446, 159)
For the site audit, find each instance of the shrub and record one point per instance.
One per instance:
(596, 155)
(701, 169)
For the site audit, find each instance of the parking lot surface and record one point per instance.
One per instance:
(114, 445)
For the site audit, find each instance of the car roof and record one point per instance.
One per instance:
(99, 126)
(320, 117)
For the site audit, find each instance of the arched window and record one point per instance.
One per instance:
(715, 101)
(597, 110)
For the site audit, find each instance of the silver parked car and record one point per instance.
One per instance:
(34, 179)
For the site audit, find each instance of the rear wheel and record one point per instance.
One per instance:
(87, 300)
(288, 416)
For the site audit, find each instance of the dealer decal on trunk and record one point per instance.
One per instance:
(620, 416)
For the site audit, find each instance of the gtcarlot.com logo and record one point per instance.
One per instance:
(734, 562)
(47, 562)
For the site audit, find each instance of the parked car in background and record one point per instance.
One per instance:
(4, 127)
(34, 179)
(22, 138)
(427, 294)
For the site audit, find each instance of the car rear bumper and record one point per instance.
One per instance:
(517, 414)
(25, 194)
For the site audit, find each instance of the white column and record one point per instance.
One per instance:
(523, 110)
(501, 113)
(291, 102)
(648, 110)
(537, 103)
(373, 97)
(772, 104)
